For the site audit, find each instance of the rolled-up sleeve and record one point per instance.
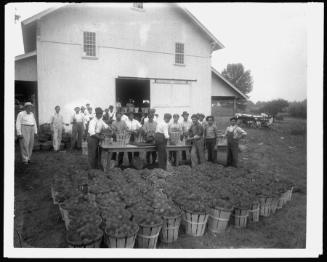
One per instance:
(18, 124)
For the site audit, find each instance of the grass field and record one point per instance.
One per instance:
(281, 149)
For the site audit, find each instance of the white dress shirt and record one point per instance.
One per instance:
(79, 118)
(25, 119)
(133, 125)
(96, 126)
(57, 120)
(112, 114)
(124, 117)
(162, 127)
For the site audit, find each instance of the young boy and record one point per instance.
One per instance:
(210, 136)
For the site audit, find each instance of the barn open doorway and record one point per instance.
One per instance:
(135, 91)
(26, 91)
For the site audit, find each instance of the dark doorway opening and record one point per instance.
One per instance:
(135, 90)
(26, 91)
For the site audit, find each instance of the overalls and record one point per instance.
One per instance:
(232, 149)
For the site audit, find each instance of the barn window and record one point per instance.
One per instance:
(138, 5)
(89, 44)
(179, 53)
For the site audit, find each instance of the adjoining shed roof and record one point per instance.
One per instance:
(216, 44)
(213, 70)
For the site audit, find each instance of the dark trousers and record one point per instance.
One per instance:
(120, 157)
(232, 153)
(154, 157)
(94, 153)
(161, 144)
(210, 146)
(77, 135)
(197, 152)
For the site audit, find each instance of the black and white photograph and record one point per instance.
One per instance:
(184, 129)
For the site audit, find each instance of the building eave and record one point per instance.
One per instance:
(213, 70)
(39, 15)
(216, 43)
(24, 56)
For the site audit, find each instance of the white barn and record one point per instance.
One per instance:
(105, 53)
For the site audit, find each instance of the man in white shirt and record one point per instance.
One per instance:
(112, 114)
(57, 125)
(96, 126)
(26, 128)
(153, 112)
(133, 127)
(186, 124)
(161, 137)
(78, 124)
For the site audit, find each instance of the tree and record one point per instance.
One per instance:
(236, 74)
(274, 107)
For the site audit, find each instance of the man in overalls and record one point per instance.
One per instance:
(233, 133)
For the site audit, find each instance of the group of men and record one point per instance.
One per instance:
(201, 132)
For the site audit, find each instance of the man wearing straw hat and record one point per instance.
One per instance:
(26, 129)
(96, 126)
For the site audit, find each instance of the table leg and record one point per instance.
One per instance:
(178, 157)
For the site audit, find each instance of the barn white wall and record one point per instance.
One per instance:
(130, 43)
(26, 69)
(220, 88)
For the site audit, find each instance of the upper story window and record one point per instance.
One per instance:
(179, 53)
(138, 5)
(89, 45)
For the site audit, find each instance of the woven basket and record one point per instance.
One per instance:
(170, 227)
(240, 217)
(175, 138)
(265, 206)
(120, 242)
(194, 223)
(122, 139)
(254, 212)
(96, 243)
(218, 219)
(84, 148)
(147, 235)
(273, 205)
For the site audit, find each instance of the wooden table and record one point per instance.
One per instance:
(107, 151)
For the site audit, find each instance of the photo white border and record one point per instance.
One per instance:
(314, 165)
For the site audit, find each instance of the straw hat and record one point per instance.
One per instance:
(28, 104)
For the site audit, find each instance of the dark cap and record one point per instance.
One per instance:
(185, 113)
(194, 116)
(232, 118)
(167, 116)
(210, 117)
(98, 110)
(111, 106)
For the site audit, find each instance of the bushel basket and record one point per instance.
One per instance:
(218, 219)
(240, 217)
(127, 241)
(95, 243)
(170, 227)
(147, 235)
(194, 223)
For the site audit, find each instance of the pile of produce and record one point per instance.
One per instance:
(121, 200)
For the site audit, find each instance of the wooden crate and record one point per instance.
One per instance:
(147, 235)
(254, 212)
(120, 242)
(194, 223)
(240, 217)
(170, 227)
(218, 219)
(96, 243)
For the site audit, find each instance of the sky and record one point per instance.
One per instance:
(269, 39)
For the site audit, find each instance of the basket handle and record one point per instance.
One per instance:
(218, 218)
(153, 236)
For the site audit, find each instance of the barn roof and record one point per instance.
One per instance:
(215, 43)
(215, 72)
